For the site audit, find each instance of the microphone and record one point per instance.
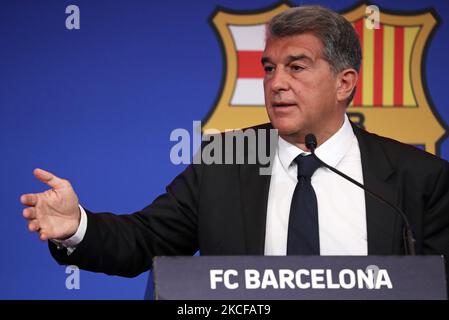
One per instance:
(409, 239)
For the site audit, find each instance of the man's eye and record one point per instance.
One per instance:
(296, 68)
(268, 69)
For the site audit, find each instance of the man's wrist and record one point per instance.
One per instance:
(76, 238)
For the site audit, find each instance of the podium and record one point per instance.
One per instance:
(300, 277)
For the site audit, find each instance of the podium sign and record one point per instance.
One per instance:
(300, 277)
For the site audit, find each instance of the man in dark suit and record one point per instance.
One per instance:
(311, 63)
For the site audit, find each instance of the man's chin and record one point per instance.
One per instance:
(285, 129)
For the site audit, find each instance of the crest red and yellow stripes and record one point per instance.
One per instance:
(385, 79)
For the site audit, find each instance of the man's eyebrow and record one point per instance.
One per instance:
(289, 59)
(299, 57)
(265, 60)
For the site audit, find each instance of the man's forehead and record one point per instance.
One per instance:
(303, 46)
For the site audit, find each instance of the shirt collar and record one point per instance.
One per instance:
(331, 151)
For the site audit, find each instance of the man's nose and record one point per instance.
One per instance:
(279, 82)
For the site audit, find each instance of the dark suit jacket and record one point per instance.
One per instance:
(221, 210)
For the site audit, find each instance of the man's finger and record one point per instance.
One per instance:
(48, 178)
(28, 199)
(29, 213)
(43, 236)
(33, 226)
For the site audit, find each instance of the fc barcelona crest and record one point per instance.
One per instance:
(390, 99)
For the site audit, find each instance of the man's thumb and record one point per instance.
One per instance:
(48, 178)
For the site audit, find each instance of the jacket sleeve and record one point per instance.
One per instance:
(125, 245)
(436, 219)
(436, 216)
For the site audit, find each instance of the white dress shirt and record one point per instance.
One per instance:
(341, 204)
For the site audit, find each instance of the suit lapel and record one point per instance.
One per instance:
(383, 222)
(254, 196)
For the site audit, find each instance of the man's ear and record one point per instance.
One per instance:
(346, 82)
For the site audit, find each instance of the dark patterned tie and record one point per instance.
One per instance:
(303, 232)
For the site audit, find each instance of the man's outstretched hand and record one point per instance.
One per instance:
(54, 214)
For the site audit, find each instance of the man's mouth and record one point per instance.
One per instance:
(283, 104)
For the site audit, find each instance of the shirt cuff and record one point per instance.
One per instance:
(76, 239)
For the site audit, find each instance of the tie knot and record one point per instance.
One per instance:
(307, 165)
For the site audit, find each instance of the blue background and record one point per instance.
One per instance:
(97, 105)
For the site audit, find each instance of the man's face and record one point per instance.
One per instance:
(300, 88)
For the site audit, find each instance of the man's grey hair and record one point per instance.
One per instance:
(341, 45)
